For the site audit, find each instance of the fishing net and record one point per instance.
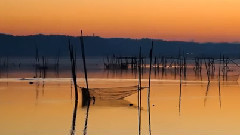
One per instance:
(113, 92)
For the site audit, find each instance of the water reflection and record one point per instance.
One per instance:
(219, 87)
(206, 94)
(97, 103)
(219, 95)
(86, 119)
(180, 98)
(74, 118)
(107, 117)
(37, 92)
(43, 86)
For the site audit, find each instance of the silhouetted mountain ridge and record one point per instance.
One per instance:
(49, 45)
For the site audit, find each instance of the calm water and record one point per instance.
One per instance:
(47, 106)
(43, 110)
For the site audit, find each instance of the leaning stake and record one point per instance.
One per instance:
(84, 61)
(73, 65)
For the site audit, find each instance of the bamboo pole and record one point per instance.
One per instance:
(139, 92)
(219, 84)
(36, 61)
(84, 61)
(73, 65)
(180, 88)
(149, 86)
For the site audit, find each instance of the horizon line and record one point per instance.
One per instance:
(156, 39)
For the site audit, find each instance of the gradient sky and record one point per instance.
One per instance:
(198, 20)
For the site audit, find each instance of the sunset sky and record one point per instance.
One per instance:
(188, 20)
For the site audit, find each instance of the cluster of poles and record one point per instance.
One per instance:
(41, 65)
(165, 65)
(140, 65)
(85, 91)
(4, 66)
(179, 65)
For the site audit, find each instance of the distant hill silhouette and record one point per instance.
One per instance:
(24, 46)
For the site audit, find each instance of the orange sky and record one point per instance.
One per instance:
(198, 20)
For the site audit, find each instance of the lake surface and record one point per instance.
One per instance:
(48, 107)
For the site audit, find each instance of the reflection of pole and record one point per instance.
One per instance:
(139, 93)
(206, 94)
(37, 86)
(43, 85)
(219, 85)
(86, 120)
(180, 90)
(149, 84)
(74, 118)
(71, 88)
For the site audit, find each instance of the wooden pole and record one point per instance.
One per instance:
(180, 87)
(149, 85)
(73, 65)
(84, 61)
(139, 92)
(219, 84)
